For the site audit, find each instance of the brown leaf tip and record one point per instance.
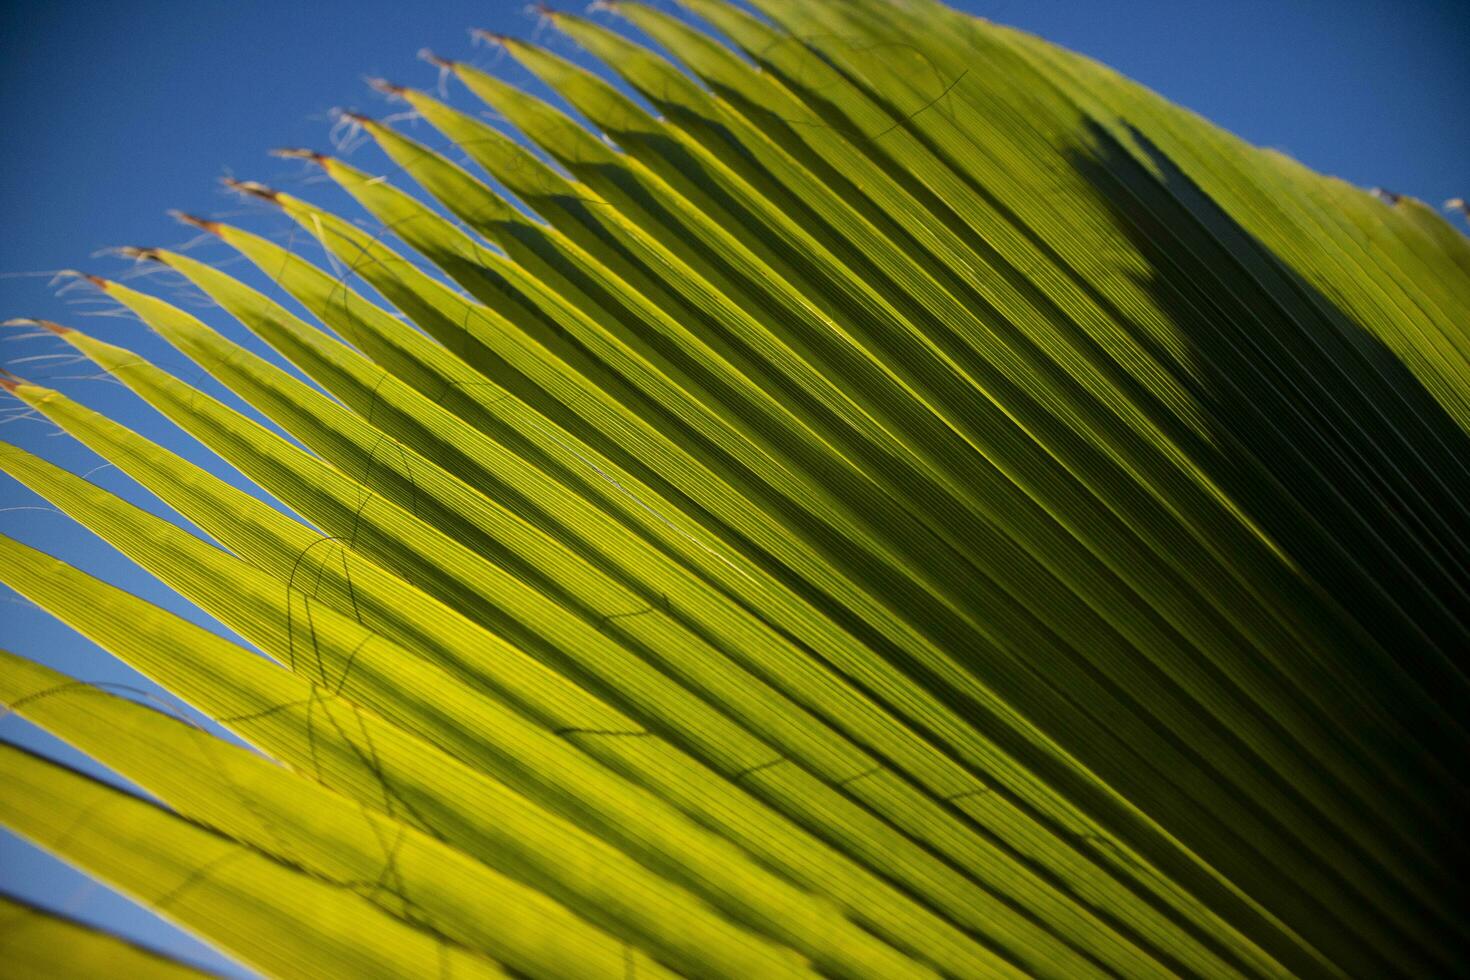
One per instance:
(213, 227)
(546, 10)
(297, 153)
(26, 321)
(1458, 204)
(426, 55)
(133, 252)
(1385, 195)
(491, 37)
(9, 381)
(252, 188)
(385, 86)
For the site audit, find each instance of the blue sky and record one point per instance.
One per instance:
(116, 112)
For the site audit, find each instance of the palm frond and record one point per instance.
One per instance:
(912, 503)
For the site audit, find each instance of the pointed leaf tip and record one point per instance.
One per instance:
(10, 381)
(426, 55)
(204, 224)
(385, 86)
(54, 327)
(481, 34)
(134, 252)
(253, 188)
(299, 153)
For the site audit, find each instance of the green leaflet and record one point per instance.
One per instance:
(286, 816)
(315, 729)
(1258, 296)
(35, 942)
(269, 914)
(1402, 239)
(1179, 719)
(381, 406)
(1029, 362)
(600, 636)
(479, 731)
(369, 190)
(422, 163)
(880, 792)
(379, 398)
(1231, 706)
(572, 77)
(366, 593)
(363, 596)
(912, 156)
(1121, 219)
(616, 431)
(1074, 826)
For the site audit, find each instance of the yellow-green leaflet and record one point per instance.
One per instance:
(267, 913)
(388, 273)
(481, 734)
(340, 579)
(1204, 687)
(799, 736)
(405, 214)
(961, 901)
(36, 942)
(317, 730)
(289, 817)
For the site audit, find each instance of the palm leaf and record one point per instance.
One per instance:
(913, 503)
